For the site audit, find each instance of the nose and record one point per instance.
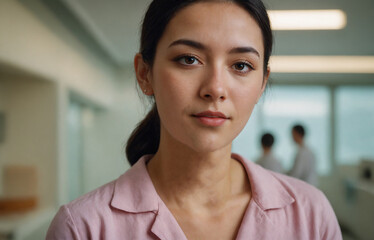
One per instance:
(213, 87)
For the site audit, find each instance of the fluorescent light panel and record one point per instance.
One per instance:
(288, 108)
(322, 64)
(307, 19)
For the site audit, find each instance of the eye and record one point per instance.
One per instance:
(187, 60)
(242, 67)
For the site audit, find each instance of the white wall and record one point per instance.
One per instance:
(30, 111)
(54, 65)
(50, 52)
(27, 42)
(111, 128)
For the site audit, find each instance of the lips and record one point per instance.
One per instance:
(210, 118)
(211, 114)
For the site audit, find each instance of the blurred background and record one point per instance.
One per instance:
(68, 102)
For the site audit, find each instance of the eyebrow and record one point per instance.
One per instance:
(245, 50)
(200, 46)
(188, 42)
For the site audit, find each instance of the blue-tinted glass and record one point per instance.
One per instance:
(282, 107)
(75, 145)
(355, 124)
(246, 143)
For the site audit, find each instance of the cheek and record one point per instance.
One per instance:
(162, 85)
(170, 90)
(246, 95)
(245, 99)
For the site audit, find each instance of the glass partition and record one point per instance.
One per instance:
(354, 124)
(281, 108)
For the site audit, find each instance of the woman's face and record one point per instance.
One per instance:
(207, 75)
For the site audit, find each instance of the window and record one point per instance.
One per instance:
(75, 150)
(283, 106)
(354, 124)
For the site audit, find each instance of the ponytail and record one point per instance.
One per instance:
(145, 138)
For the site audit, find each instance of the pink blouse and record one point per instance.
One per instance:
(130, 208)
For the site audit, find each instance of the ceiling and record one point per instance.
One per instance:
(114, 26)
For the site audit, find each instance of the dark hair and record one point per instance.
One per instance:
(267, 140)
(299, 129)
(146, 137)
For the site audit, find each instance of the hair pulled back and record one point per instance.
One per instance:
(145, 139)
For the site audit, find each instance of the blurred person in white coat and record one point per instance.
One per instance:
(268, 160)
(304, 166)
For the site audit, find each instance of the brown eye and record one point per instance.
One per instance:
(187, 60)
(242, 67)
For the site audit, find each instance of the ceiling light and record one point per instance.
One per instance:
(288, 108)
(322, 64)
(307, 19)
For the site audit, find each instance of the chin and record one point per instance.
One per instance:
(207, 146)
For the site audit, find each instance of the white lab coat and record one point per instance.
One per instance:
(269, 161)
(304, 166)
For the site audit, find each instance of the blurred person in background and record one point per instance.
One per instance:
(268, 160)
(304, 166)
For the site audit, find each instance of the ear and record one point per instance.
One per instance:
(264, 83)
(142, 71)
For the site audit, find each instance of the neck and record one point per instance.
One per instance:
(194, 180)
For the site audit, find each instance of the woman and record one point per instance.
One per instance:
(206, 65)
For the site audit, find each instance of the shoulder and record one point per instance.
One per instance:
(293, 205)
(74, 219)
(98, 199)
(124, 207)
(304, 193)
(103, 199)
(264, 180)
(311, 207)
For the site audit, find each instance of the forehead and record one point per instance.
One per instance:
(217, 24)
